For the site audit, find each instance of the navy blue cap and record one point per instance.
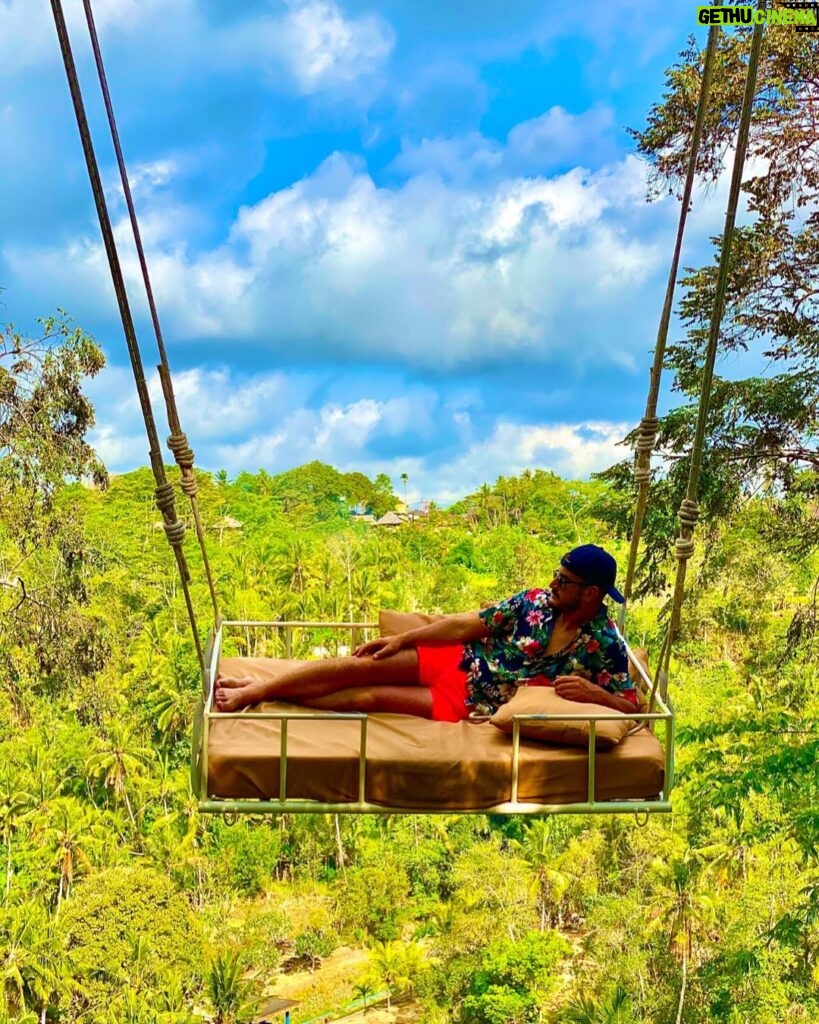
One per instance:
(596, 566)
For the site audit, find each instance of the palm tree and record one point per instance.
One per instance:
(71, 829)
(14, 802)
(413, 962)
(364, 990)
(56, 975)
(587, 1008)
(119, 759)
(21, 973)
(539, 851)
(228, 992)
(178, 840)
(294, 566)
(682, 912)
(171, 710)
(727, 859)
(404, 480)
(387, 963)
(43, 786)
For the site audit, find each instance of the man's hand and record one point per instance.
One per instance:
(578, 688)
(381, 647)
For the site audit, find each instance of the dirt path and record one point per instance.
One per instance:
(343, 967)
(343, 964)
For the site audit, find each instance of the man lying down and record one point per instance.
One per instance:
(473, 662)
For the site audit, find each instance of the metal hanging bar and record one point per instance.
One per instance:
(689, 509)
(164, 494)
(649, 423)
(177, 442)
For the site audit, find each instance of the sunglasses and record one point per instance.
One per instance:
(564, 581)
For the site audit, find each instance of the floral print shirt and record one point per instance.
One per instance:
(515, 651)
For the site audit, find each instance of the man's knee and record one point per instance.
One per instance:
(352, 698)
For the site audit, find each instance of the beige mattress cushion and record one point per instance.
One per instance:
(542, 700)
(411, 762)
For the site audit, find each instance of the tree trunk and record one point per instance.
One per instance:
(342, 860)
(128, 805)
(682, 987)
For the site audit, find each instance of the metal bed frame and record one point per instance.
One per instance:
(285, 805)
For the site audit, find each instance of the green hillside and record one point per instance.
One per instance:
(119, 903)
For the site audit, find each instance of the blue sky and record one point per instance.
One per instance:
(401, 237)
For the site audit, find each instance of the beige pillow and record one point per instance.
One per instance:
(542, 700)
(392, 623)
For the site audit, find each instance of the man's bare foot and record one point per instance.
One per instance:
(232, 682)
(235, 698)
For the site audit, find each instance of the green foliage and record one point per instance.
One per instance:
(44, 417)
(761, 429)
(711, 914)
(249, 855)
(513, 978)
(124, 923)
(500, 1005)
(589, 1008)
(374, 898)
(229, 993)
(314, 946)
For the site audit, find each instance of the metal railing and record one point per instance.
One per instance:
(284, 804)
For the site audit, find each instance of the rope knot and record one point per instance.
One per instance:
(684, 548)
(175, 532)
(182, 452)
(689, 513)
(642, 476)
(164, 497)
(188, 485)
(647, 433)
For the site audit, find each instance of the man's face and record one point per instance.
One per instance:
(567, 590)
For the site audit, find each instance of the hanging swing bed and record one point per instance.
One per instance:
(285, 758)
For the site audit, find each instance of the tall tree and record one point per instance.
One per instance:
(44, 419)
(683, 912)
(762, 427)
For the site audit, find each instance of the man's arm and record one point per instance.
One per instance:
(452, 629)
(580, 689)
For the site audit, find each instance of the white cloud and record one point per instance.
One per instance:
(557, 135)
(460, 159)
(117, 450)
(428, 273)
(313, 44)
(28, 38)
(266, 421)
(554, 138)
(145, 178)
(318, 46)
(322, 47)
(572, 450)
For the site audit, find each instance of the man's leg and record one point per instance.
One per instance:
(397, 700)
(316, 679)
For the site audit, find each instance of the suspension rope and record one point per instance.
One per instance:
(177, 442)
(689, 509)
(174, 527)
(647, 433)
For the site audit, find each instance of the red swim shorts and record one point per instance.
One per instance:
(438, 668)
